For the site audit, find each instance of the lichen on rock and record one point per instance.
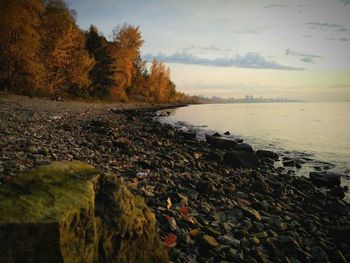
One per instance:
(71, 212)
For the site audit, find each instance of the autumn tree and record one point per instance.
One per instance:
(124, 49)
(63, 52)
(43, 51)
(161, 87)
(20, 66)
(102, 73)
(139, 88)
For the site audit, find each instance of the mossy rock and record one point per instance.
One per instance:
(71, 212)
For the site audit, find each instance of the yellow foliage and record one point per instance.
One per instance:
(124, 49)
(20, 43)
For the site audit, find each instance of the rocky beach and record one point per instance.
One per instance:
(214, 201)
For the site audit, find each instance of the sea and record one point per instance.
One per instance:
(317, 133)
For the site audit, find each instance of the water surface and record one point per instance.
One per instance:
(319, 130)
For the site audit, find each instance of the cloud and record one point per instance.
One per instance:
(342, 39)
(274, 6)
(245, 31)
(250, 60)
(206, 48)
(319, 25)
(346, 2)
(308, 60)
(256, 30)
(290, 52)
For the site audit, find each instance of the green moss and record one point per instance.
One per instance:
(70, 212)
(47, 193)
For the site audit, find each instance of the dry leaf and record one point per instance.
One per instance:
(184, 211)
(169, 204)
(170, 240)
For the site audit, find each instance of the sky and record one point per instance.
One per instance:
(232, 48)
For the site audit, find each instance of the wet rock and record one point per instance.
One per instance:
(250, 212)
(327, 179)
(289, 163)
(229, 240)
(261, 186)
(147, 164)
(254, 241)
(340, 234)
(172, 224)
(276, 224)
(33, 149)
(98, 126)
(338, 206)
(170, 133)
(216, 134)
(227, 133)
(302, 183)
(266, 154)
(337, 191)
(206, 187)
(123, 145)
(209, 241)
(260, 235)
(259, 256)
(241, 159)
(189, 135)
(221, 142)
(213, 156)
(339, 257)
(318, 255)
(245, 147)
(210, 230)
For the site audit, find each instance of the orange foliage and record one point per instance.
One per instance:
(43, 51)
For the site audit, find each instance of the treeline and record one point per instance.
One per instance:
(44, 53)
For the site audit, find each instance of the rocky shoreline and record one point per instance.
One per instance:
(210, 205)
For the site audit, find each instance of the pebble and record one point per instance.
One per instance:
(211, 241)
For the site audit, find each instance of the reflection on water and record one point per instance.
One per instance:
(320, 129)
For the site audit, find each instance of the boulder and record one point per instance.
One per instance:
(266, 154)
(221, 142)
(71, 212)
(289, 163)
(241, 159)
(189, 135)
(245, 147)
(213, 156)
(327, 179)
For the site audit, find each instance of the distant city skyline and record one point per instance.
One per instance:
(271, 48)
(245, 99)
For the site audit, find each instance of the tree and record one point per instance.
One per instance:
(162, 89)
(139, 90)
(102, 73)
(124, 49)
(66, 61)
(20, 66)
(42, 50)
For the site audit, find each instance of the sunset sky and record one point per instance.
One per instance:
(231, 48)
